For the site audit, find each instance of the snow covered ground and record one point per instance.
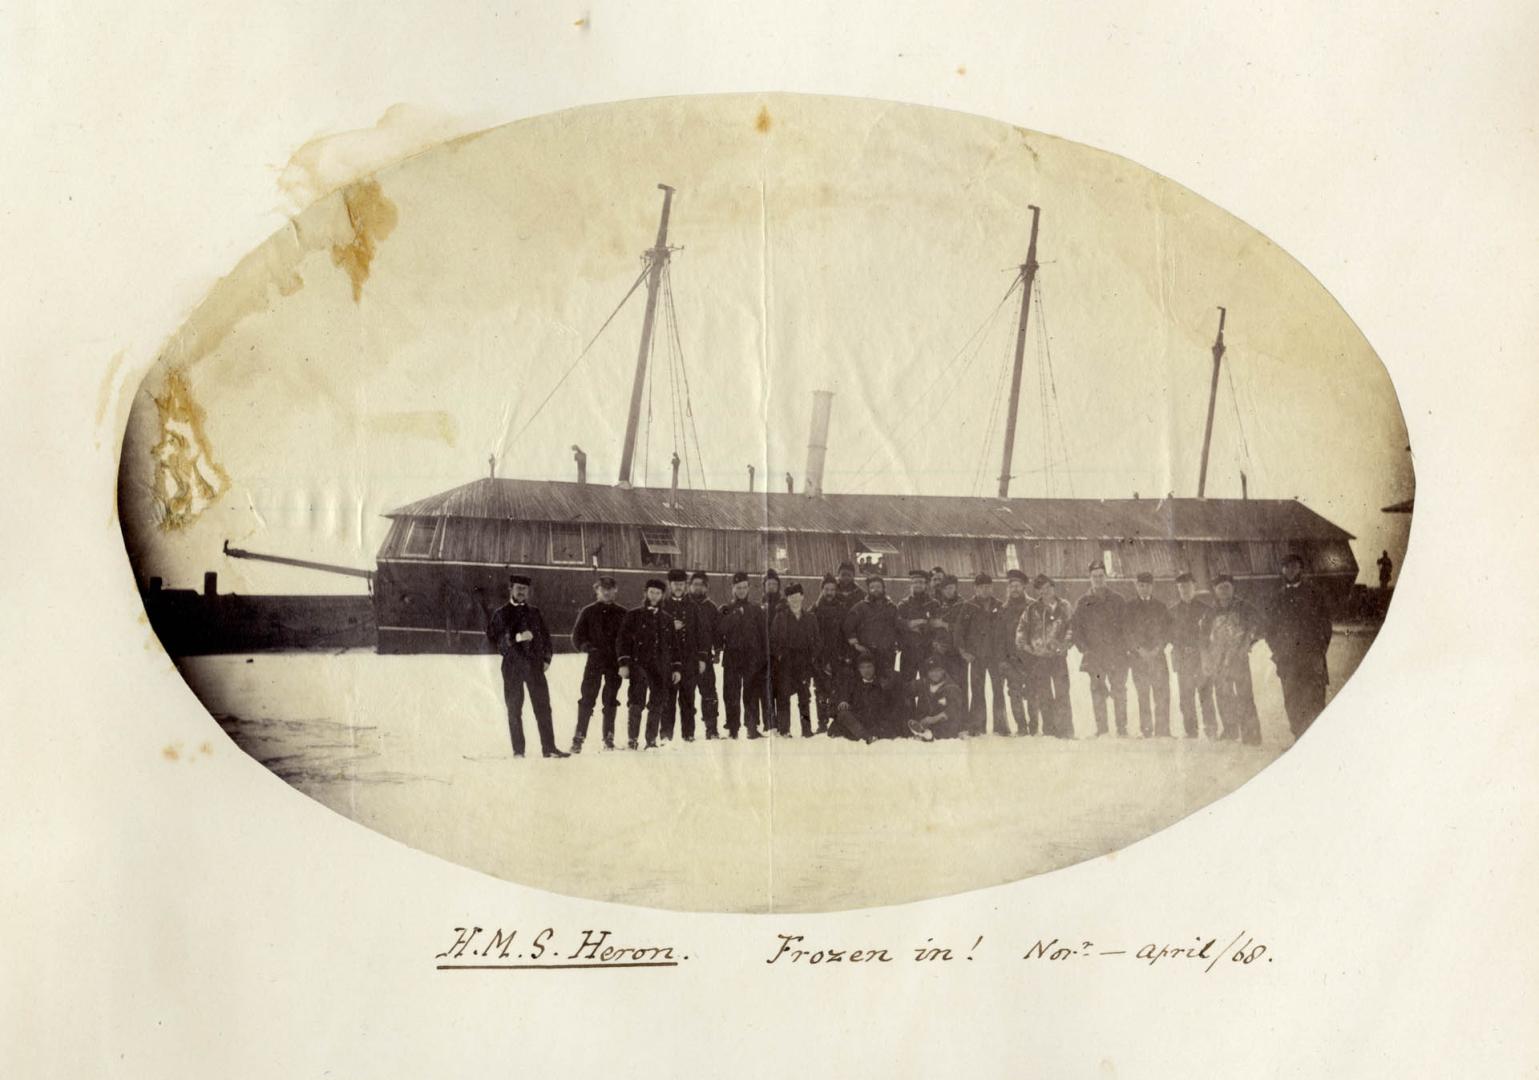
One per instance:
(417, 748)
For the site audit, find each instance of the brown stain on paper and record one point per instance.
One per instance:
(373, 217)
(762, 123)
(187, 478)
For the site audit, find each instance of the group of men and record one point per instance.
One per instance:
(933, 665)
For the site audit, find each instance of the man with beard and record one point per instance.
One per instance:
(1298, 631)
(597, 634)
(795, 645)
(978, 641)
(1193, 688)
(847, 592)
(1045, 637)
(873, 627)
(1016, 666)
(705, 677)
(915, 613)
(517, 631)
(945, 618)
(690, 647)
(1148, 623)
(1227, 631)
(830, 669)
(744, 647)
(646, 658)
(867, 709)
(1099, 633)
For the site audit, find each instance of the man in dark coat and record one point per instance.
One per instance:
(941, 707)
(517, 631)
(1148, 628)
(1193, 687)
(978, 641)
(689, 646)
(1016, 666)
(1043, 636)
(795, 645)
(872, 626)
(915, 613)
(597, 634)
(1227, 631)
(945, 617)
(832, 668)
(1298, 631)
(744, 646)
(772, 600)
(847, 592)
(866, 710)
(705, 674)
(647, 659)
(1100, 634)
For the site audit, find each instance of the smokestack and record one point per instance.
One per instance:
(673, 498)
(817, 440)
(750, 478)
(491, 466)
(582, 463)
(210, 583)
(790, 485)
(1244, 486)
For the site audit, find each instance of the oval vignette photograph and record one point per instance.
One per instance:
(766, 502)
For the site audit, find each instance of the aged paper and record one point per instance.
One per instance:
(1315, 921)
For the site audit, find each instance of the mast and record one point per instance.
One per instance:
(1207, 435)
(1028, 276)
(658, 256)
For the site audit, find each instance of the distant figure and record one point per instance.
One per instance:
(1227, 631)
(517, 631)
(1386, 568)
(597, 634)
(1100, 634)
(1192, 687)
(1298, 630)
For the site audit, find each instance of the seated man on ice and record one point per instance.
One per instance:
(941, 707)
(867, 709)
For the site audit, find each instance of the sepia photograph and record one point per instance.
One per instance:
(755, 503)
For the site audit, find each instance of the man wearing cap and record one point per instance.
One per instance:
(1016, 666)
(705, 671)
(648, 661)
(830, 670)
(847, 592)
(517, 631)
(941, 707)
(873, 626)
(744, 648)
(1099, 632)
(915, 613)
(1228, 630)
(866, 710)
(691, 648)
(597, 634)
(1298, 631)
(795, 645)
(1043, 636)
(1193, 688)
(943, 629)
(1148, 623)
(773, 600)
(977, 641)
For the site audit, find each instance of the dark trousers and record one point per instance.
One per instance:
(679, 699)
(988, 673)
(1151, 684)
(826, 680)
(1237, 701)
(648, 690)
(793, 679)
(849, 724)
(517, 677)
(743, 691)
(710, 703)
(1194, 689)
(1017, 674)
(1052, 682)
(598, 673)
(1110, 681)
(1303, 680)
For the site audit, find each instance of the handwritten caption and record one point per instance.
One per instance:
(475, 948)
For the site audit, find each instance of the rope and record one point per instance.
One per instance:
(1052, 382)
(994, 412)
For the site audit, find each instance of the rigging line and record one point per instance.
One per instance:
(1063, 441)
(689, 408)
(1239, 424)
(573, 366)
(860, 470)
(994, 411)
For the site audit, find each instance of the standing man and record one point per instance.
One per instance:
(1044, 636)
(744, 647)
(943, 629)
(705, 674)
(1386, 567)
(1228, 630)
(978, 642)
(517, 631)
(1016, 665)
(795, 644)
(873, 627)
(1193, 687)
(773, 600)
(830, 670)
(689, 646)
(1099, 632)
(1298, 630)
(597, 633)
(1148, 623)
(646, 658)
(915, 613)
(846, 591)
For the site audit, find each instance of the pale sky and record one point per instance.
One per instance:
(826, 243)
